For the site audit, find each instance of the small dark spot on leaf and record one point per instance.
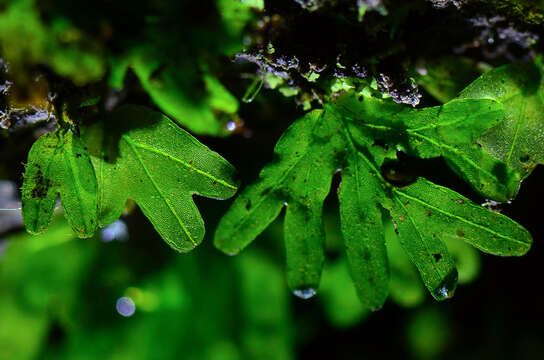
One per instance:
(78, 155)
(460, 233)
(524, 158)
(42, 186)
(248, 205)
(437, 257)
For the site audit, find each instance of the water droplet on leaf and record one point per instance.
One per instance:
(304, 293)
(447, 288)
(115, 231)
(125, 306)
(231, 126)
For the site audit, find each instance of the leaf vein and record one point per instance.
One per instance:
(187, 165)
(446, 213)
(146, 170)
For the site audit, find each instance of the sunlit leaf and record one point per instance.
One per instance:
(355, 135)
(405, 287)
(142, 155)
(59, 165)
(518, 139)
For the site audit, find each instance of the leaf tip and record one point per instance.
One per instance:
(446, 288)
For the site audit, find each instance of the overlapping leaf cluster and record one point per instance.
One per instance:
(517, 140)
(489, 135)
(134, 153)
(358, 135)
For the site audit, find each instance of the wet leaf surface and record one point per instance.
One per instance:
(357, 135)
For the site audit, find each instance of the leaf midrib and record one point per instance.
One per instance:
(421, 237)
(187, 165)
(272, 190)
(520, 120)
(353, 149)
(446, 213)
(75, 179)
(132, 146)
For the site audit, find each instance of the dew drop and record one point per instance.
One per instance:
(115, 231)
(231, 126)
(125, 306)
(421, 70)
(447, 288)
(304, 293)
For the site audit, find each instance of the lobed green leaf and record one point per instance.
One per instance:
(140, 154)
(59, 165)
(517, 140)
(355, 135)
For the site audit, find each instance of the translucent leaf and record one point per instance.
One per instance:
(300, 179)
(405, 287)
(355, 135)
(142, 155)
(446, 214)
(59, 164)
(518, 139)
(362, 228)
(449, 130)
